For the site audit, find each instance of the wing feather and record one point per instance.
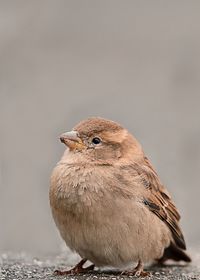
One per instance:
(158, 200)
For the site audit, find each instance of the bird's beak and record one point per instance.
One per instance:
(72, 140)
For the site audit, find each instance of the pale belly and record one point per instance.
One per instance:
(113, 234)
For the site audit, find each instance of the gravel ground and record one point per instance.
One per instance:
(15, 267)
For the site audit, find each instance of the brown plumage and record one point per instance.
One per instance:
(108, 202)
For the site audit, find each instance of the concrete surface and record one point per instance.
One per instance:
(21, 266)
(136, 62)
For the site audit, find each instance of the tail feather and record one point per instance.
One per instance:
(174, 253)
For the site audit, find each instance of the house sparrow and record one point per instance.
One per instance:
(108, 202)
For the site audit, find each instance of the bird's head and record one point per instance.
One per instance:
(98, 139)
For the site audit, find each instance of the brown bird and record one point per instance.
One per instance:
(108, 202)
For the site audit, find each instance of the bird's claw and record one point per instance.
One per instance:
(78, 269)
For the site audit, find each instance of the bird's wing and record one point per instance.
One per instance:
(159, 201)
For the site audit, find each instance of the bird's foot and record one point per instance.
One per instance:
(137, 271)
(78, 269)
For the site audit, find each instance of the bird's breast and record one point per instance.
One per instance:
(75, 189)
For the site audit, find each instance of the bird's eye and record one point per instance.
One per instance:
(96, 140)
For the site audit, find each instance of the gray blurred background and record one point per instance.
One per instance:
(136, 62)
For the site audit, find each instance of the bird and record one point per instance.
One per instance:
(109, 204)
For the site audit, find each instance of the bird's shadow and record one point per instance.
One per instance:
(156, 267)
